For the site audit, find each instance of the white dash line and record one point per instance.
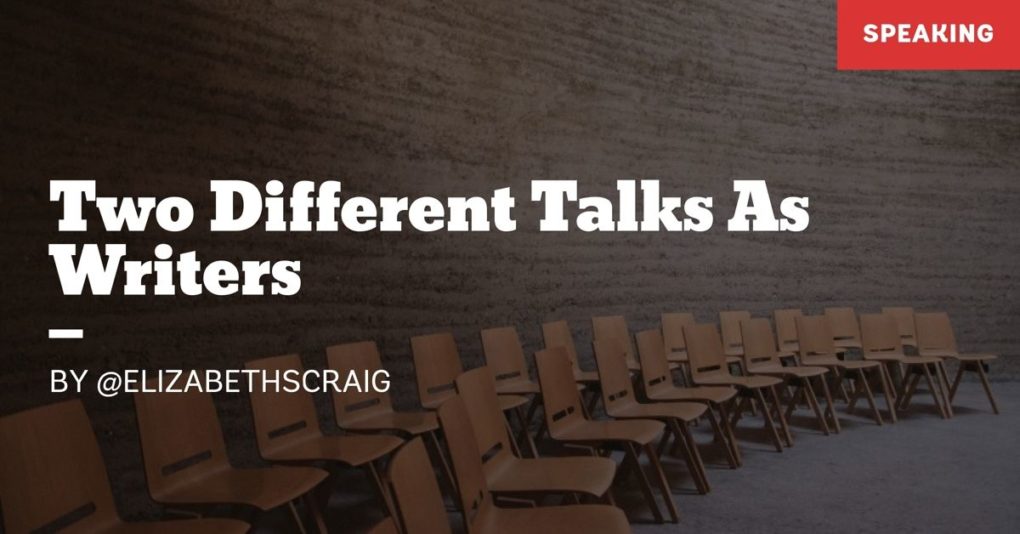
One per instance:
(66, 333)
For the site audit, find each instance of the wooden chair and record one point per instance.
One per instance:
(615, 327)
(509, 475)
(935, 338)
(52, 477)
(287, 430)
(371, 411)
(761, 357)
(880, 337)
(186, 460)
(708, 367)
(557, 334)
(437, 365)
(658, 386)
(481, 516)
(729, 325)
(567, 424)
(621, 403)
(786, 331)
(818, 348)
(846, 331)
(422, 510)
(904, 316)
(673, 335)
(504, 356)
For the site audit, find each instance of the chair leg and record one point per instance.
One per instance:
(830, 405)
(691, 455)
(667, 494)
(915, 378)
(940, 370)
(956, 381)
(297, 518)
(721, 438)
(987, 386)
(525, 433)
(863, 382)
(782, 419)
(794, 399)
(646, 488)
(813, 402)
(384, 493)
(890, 398)
(437, 451)
(731, 438)
(934, 392)
(768, 420)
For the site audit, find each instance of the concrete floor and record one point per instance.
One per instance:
(921, 474)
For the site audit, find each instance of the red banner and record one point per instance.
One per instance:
(928, 35)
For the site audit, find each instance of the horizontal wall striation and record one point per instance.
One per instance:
(912, 176)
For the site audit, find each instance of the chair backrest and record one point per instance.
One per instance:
(361, 357)
(843, 322)
(655, 372)
(673, 331)
(879, 333)
(478, 389)
(614, 377)
(729, 323)
(182, 441)
(281, 419)
(935, 332)
(436, 365)
(52, 474)
(815, 335)
(560, 397)
(904, 316)
(786, 328)
(614, 326)
(759, 345)
(705, 350)
(557, 334)
(416, 491)
(475, 499)
(503, 353)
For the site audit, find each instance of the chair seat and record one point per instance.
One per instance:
(586, 377)
(587, 518)
(181, 526)
(263, 488)
(685, 411)
(938, 353)
(833, 361)
(591, 476)
(797, 371)
(517, 386)
(749, 382)
(351, 450)
(413, 423)
(641, 432)
(713, 394)
(900, 358)
(510, 402)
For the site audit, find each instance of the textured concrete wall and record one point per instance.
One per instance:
(912, 176)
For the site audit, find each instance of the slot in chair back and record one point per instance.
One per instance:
(281, 419)
(350, 405)
(935, 333)
(436, 366)
(843, 322)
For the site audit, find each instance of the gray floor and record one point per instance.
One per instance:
(922, 474)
